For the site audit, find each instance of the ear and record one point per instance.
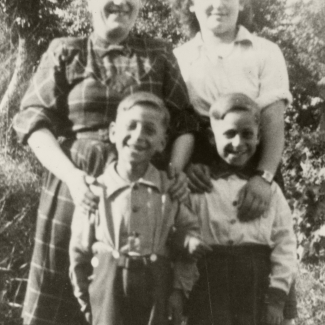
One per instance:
(112, 132)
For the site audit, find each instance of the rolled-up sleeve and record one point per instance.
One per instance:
(274, 80)
(43, 104)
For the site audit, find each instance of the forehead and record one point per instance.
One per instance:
(143, 112)
(238, 119)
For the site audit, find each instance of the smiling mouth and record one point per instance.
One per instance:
(118, 10)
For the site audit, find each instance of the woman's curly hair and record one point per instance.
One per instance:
(190, 24)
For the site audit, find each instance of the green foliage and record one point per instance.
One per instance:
(19, 194)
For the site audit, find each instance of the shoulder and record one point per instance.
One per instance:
(67, 47)
(187, 50)
(70, 43)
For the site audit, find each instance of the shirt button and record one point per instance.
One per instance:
(230, 242)
(233, 221)
(234, 203)
(135, 209)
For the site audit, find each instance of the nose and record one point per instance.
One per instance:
(237, 141)
(138, 133)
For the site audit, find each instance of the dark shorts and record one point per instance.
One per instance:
(232, 286)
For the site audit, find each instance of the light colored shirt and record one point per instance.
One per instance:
(217, 212)
(253, 66)
(143, 207)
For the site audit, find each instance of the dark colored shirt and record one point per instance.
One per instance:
(80, 82)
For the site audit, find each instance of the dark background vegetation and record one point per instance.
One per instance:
(26, 27)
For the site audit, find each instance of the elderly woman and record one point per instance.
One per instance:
(64, 118)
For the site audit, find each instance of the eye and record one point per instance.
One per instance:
(131, 125)
(149, 129)
(248, 134)
(230, 134)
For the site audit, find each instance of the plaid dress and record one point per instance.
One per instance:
(74, 93)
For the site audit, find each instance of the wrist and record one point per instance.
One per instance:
(266, 175)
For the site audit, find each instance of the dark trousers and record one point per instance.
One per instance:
(129, 296)
(232, 286)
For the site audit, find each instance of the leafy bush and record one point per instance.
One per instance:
(19, 193)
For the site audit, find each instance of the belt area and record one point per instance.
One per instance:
(135, 262)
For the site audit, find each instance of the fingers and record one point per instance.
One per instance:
(179, 189)
(253, 199)
(199, 178)
(80, 192)
(90, 201)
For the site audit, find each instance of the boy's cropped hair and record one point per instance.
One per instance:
(147, 99)
(235, 102)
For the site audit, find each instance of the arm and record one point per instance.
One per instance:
(273, 98)
(82, 237)
(47, 150)
(283, 260)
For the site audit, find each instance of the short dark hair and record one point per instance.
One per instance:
(190, 24)
(147, 99)
(234, 102)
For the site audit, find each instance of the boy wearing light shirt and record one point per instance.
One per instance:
(246, 277)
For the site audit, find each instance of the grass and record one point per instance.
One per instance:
(20, 184)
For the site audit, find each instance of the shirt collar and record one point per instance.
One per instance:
(102, 47)
(113, 182)
(222, 170)
(242, 36)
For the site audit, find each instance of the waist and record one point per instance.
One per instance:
(100, 134)
(235, 250)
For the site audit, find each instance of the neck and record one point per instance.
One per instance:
(212, 39)
(131, 172)
(112, 38)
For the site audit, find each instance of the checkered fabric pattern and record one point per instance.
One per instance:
(72, 92)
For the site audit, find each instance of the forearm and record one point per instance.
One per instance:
(48, 151)
(272, 136)
(182, 150)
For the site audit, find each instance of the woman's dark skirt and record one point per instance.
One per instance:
(232, 286)
(49, 298)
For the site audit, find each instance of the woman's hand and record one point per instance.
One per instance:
(79, 189)
(199, 178)
(179, 189)
(253, 199)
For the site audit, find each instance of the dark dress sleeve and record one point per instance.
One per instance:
(183, 117)
(44, 104)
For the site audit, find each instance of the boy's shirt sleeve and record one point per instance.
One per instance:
(80, 252)
(283, 256)
(185, 269)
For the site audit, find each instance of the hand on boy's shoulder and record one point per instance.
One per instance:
(178, 189)
(254, 199)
